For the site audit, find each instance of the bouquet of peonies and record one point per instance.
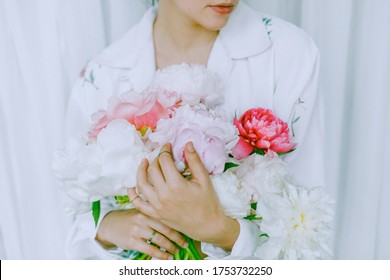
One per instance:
(242, 158)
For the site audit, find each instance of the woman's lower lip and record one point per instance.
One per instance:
(223, 10)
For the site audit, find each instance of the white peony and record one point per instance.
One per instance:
(194, 83)
(92, 170)
(298, 222)
(262, 174)
(234, 200)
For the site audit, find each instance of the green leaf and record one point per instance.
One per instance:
(282, 154)
(122, 200)
(253, 218)
(96, 211)
(264, 235)
(141, 257)
(260, 152)
(229, 165)
(191, 248)
(254, 205)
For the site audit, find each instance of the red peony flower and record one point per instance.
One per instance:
(260, 130)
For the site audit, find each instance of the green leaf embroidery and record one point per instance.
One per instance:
(90, 80)
(268, 22)
(294, 121)
(264, 235)
(96, 211)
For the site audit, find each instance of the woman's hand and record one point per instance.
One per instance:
(131, 229)
(189, 206)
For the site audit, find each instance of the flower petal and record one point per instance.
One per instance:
(242, 149)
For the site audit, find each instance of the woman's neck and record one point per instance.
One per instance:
(178, 39)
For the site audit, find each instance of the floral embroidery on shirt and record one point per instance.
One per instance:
(90, 78)
(299, 103)
(82, 73)
(268, 23)
(294, 120)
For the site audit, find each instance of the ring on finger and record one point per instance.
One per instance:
(168, 152)
(150, 240)
(131, 201)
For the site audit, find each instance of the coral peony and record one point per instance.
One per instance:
(261, 130)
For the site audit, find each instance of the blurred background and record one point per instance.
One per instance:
(45, 43)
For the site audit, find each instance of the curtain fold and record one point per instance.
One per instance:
(364, 213)
(355, 68)
(45, 43)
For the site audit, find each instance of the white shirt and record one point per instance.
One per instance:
(263, 62)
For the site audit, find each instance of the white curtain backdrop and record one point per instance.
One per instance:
(45, 43)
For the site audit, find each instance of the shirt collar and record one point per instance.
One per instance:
(128, 50)
(244, 36)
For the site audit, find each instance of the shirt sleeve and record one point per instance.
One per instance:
(81, 242)
(89, 94)
(298, 101)
(243, 248)
(306, 124)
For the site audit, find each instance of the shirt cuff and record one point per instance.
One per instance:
(243, 248)
(81, 240)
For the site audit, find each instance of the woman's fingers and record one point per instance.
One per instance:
(168, 166)
(170, 233)
(143, 184)
(152, 251)
(155, 174)
(140, 205)
(198, 171)
(152, 232)
(132, 230)
(163, 242)
(150, 235)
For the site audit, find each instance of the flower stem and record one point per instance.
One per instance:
(191, 249)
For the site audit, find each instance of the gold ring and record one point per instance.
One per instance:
(168, 152)
(135, 198)
(151, 237)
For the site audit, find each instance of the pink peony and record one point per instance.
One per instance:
(211, 149)
(212, 136)
(261, 130)
(141, 110)
(100, 121)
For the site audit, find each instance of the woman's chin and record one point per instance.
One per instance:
(215, 23)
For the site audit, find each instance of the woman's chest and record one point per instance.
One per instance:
(249, 84)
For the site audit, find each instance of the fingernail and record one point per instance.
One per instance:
(177, 251)
(190, 147)
(170, 258)
(185, 245)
